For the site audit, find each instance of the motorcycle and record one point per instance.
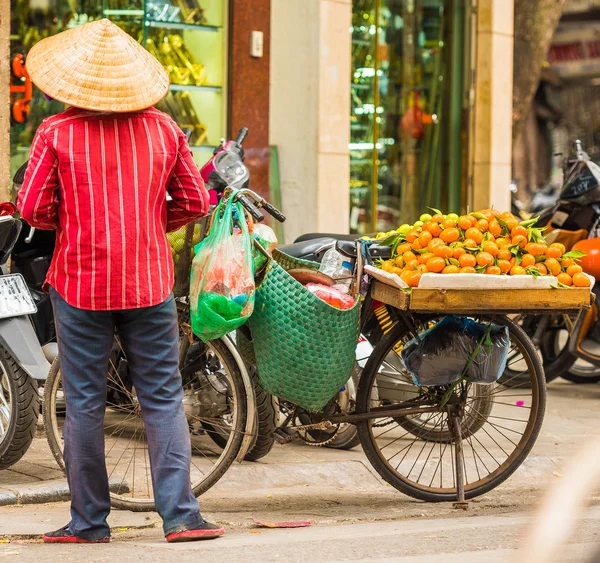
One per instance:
(31, 257)
(573, 219)
(22, 362)
(274, 420)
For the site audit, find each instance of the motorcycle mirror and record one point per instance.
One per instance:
(19, 176)
(581, 154)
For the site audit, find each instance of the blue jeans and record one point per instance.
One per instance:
(150, 340)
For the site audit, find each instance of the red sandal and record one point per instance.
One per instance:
(205, 531)
(65, 535)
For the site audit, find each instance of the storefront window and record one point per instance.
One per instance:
(187, 36)
(408, 99)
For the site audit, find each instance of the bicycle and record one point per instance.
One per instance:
(435, 444)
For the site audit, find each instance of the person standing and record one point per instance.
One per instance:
(99, 173)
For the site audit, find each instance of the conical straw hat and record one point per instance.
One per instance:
(98, 67)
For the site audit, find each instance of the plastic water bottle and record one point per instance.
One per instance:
(337, 266)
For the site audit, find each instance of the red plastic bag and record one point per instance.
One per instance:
(331, 295)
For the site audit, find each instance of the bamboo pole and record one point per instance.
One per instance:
(410, 185)
(4, 100)
(456, 105)
(377, 100)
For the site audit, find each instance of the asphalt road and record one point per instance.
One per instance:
(489, 539)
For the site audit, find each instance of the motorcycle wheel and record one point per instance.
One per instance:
(19, 410)
(578, 371)
(127, 456)
(582, 372)
(555, 356)
(266, 410)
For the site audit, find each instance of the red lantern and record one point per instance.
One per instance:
(20, 83)
(414, 120)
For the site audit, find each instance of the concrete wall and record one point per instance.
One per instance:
(249, 87)
(492, 134)
(4, 99)
(310, 108)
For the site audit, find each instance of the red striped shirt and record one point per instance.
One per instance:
(101, 180)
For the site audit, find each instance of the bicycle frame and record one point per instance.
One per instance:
(252, 203)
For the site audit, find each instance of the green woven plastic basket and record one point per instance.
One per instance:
(305, 349)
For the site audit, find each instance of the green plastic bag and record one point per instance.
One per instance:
(222, 278)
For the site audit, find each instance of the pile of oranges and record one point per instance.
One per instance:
(482, 242)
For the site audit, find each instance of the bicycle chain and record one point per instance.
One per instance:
(322, 443)
(382, 424)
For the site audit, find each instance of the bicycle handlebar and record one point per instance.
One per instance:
(253, 202)
(251, 208)
(274, 212)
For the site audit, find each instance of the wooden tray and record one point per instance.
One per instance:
(464, 301)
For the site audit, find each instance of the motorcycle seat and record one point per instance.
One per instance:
(316, 246)
(348, 249)
(312, 236)
(308, 247)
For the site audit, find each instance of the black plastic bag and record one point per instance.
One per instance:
(457, 347)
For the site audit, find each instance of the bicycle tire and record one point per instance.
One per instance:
(227, 458)
(472, 490)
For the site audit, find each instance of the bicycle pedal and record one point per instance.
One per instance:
(285, 435)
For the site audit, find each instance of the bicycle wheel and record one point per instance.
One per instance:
(395, 384)
(214, 397)
(497, 442)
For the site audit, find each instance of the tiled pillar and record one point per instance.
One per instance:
(4, 99)
(249, 87)
(492, 142)
(309, 111)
